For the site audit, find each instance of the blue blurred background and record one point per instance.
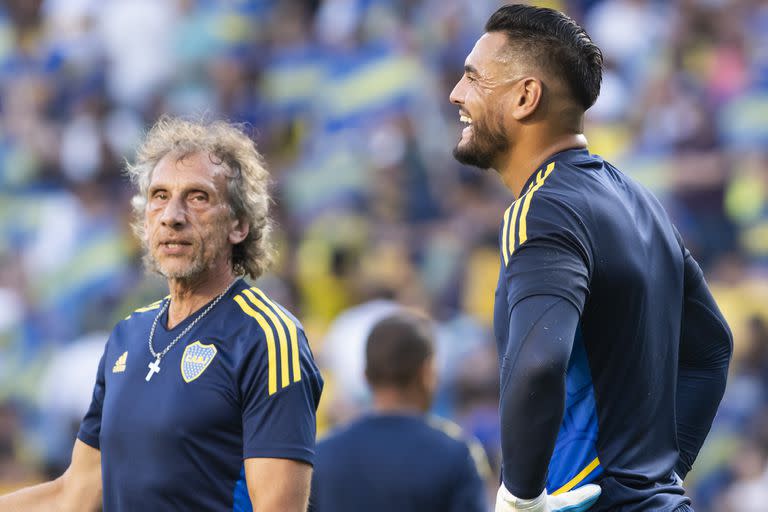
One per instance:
(348, 100)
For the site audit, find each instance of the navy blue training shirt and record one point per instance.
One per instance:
(408, 463)
(613, 354)
(242, 383)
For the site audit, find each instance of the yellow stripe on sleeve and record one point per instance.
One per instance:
(291, 330)
(272, 362)
(527, 203)
(578, 478)
(284, 378)
(504, 232)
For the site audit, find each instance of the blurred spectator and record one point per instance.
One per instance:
(749, 491)
(397, 456)
(343, 355)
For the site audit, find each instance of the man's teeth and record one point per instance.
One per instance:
(465, 119)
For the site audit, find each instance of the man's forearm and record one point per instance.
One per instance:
(698, 396)
(706, 345)
(77, 490)
(41, 497)
(54, 496)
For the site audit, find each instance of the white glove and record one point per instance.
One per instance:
(577, 500)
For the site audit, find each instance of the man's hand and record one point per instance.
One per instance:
(78, 489)
(573, 501)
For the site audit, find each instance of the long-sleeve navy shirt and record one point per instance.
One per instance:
(613, 354)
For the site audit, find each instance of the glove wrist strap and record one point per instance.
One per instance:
(523, 504)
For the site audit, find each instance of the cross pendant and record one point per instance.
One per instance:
(153, 369)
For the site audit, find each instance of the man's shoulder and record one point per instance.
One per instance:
(588, 196)
(462, 441)
(152, 306)
(574, 193)
(252, 310)
(449, 432)
(400, 427)
(269, 338)
(586, 183)
(572, 183)
(394, 432)
(143, 314)
(442, 441)
(341, 440)
(554, 203)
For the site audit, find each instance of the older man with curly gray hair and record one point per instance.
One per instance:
(206, 399)
(234, 154)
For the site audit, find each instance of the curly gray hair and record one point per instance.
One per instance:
(247, 181)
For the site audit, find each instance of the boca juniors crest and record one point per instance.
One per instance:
(195, 360)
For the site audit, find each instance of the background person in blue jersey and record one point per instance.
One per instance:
(397, 457)
(204, 400)
(613, 354)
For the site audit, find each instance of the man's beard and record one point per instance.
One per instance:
(195, 267)
(482, 148)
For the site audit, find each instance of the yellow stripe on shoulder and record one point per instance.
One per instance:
(292, 331)
(510, 222)
(540, 179)
(263, 308)
(448, 427)
(476, 450)
(513, 225)
(504, 232)
(584, 473)
(150, 307)
(270, 336)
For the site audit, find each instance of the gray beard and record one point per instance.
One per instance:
(193, 270)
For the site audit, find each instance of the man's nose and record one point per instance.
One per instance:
(174, 214)
(457, 94)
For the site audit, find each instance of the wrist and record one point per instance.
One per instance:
(522, 504)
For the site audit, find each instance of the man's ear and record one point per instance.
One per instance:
(238, 231)
(526, 98)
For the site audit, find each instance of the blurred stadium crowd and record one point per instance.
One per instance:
(348, 101)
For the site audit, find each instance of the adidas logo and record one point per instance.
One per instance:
(120, 363)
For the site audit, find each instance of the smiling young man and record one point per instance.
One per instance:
(204, 400)
(613, 354)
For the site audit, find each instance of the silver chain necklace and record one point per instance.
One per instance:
(154, 367)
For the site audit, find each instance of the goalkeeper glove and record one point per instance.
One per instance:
(577, 500)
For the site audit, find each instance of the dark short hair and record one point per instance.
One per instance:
(397, 348)
(556, 42)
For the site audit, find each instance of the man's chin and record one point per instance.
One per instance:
(176, 268)
(181, 272)
(467, 156)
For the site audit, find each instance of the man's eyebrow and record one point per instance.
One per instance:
(469, 68)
